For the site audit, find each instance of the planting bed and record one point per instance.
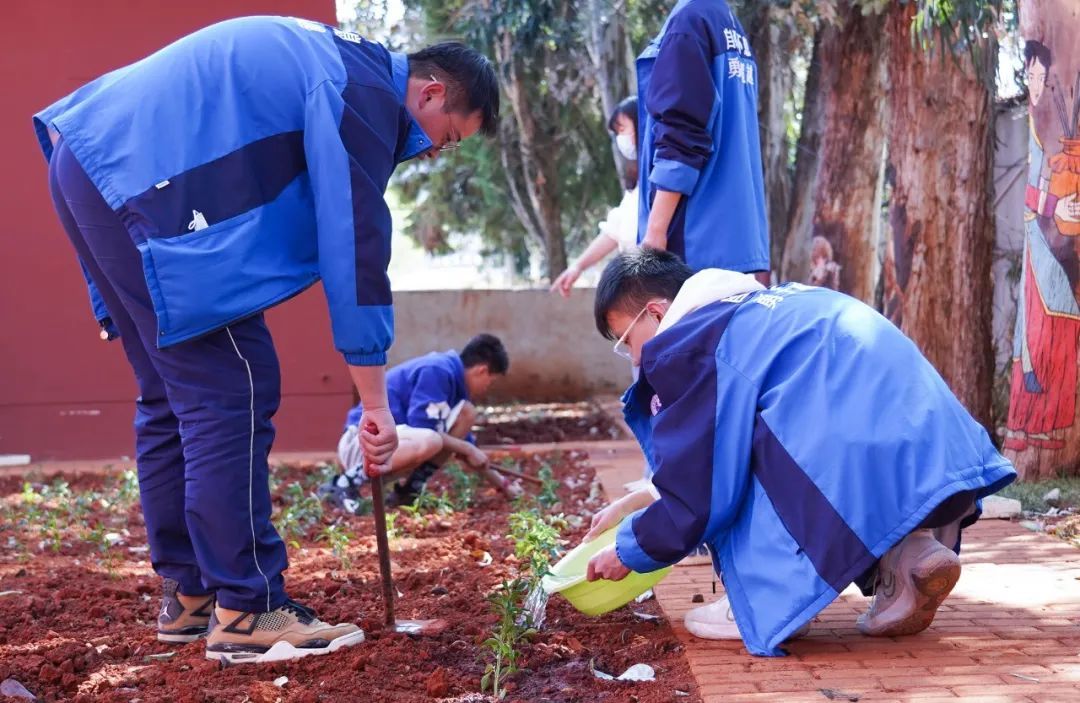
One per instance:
(543, 423)
(78, 600)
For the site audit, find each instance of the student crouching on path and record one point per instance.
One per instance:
(802, 437)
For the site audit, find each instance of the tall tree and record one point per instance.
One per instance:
(608, 45)
(772, 31)
(942, 67)
(552, 139)
(834, 237)
(794, 264)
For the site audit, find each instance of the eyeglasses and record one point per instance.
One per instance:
(451, 144)
(621, 347)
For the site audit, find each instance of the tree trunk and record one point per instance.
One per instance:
(772, 34)
(1043, 436)
(940, 217)
(606, 41)
(795, 263)
(843, 251)
(538, 154)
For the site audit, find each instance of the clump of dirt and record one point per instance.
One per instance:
(544, 423)
(78, 601)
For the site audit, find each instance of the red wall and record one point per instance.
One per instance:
(65, 394)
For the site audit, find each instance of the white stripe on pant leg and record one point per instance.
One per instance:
(251, 468)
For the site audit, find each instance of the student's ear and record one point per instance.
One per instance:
(433, 91)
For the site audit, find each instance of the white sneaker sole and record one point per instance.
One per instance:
(712, 632)
(931, 582)
(284, 651)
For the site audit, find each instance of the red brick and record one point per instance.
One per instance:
(1001, 669)
(971, 650)
(913, 693)
(728, 687)
(977, 692)
(901, 683)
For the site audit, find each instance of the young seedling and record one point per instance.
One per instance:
(99, 536)
(509, 633)
(434, 504)
(30, 500)
(464, 485)
(301, 512)
(548, 497)
(338, 538)
(426, 505)
(52, 532)
(129, 487)
(536, 540)
(391, 529)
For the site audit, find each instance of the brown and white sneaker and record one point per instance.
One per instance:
(183, 618)
(914, 577)
(290, 632)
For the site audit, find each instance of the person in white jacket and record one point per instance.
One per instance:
(619, 230)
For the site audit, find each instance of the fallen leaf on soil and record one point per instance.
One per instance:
(14, 689)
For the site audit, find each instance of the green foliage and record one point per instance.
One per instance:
(482, 188)
(463, 485)
(392, 531)
(1030, 493)
(337, 537)
(302, 511)
(99, 536)
(127, 491)
(512, 629)
(536, 540)
(426, 505)
(548, 496)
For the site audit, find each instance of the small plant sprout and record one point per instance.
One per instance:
(548, 497)
(426, 505)
(391, 528)
(301, 512)
(52, 532)
(463, 484)
(536, 540)
(129, 487)
(100, 537)
(511, 630)
(338, 539)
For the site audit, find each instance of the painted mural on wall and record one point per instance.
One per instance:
(1042, 403)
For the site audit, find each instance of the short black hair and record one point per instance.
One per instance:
(1037, 51)
(488, 350)
(632, 279)
(627, 108)
(469, 77)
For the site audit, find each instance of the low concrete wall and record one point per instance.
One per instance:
(555, 351)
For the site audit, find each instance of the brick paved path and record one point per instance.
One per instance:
(1009, 632)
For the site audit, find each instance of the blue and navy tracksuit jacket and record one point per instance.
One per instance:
(697, 88)
(801, 435)
(248, 161)
(423, 391)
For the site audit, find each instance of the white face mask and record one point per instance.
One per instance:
(626, 146)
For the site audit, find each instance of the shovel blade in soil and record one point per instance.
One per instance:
(425, 628)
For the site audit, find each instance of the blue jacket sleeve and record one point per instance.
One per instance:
(701, 441)
(682, 98)
(350, 148)
(429, 403)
